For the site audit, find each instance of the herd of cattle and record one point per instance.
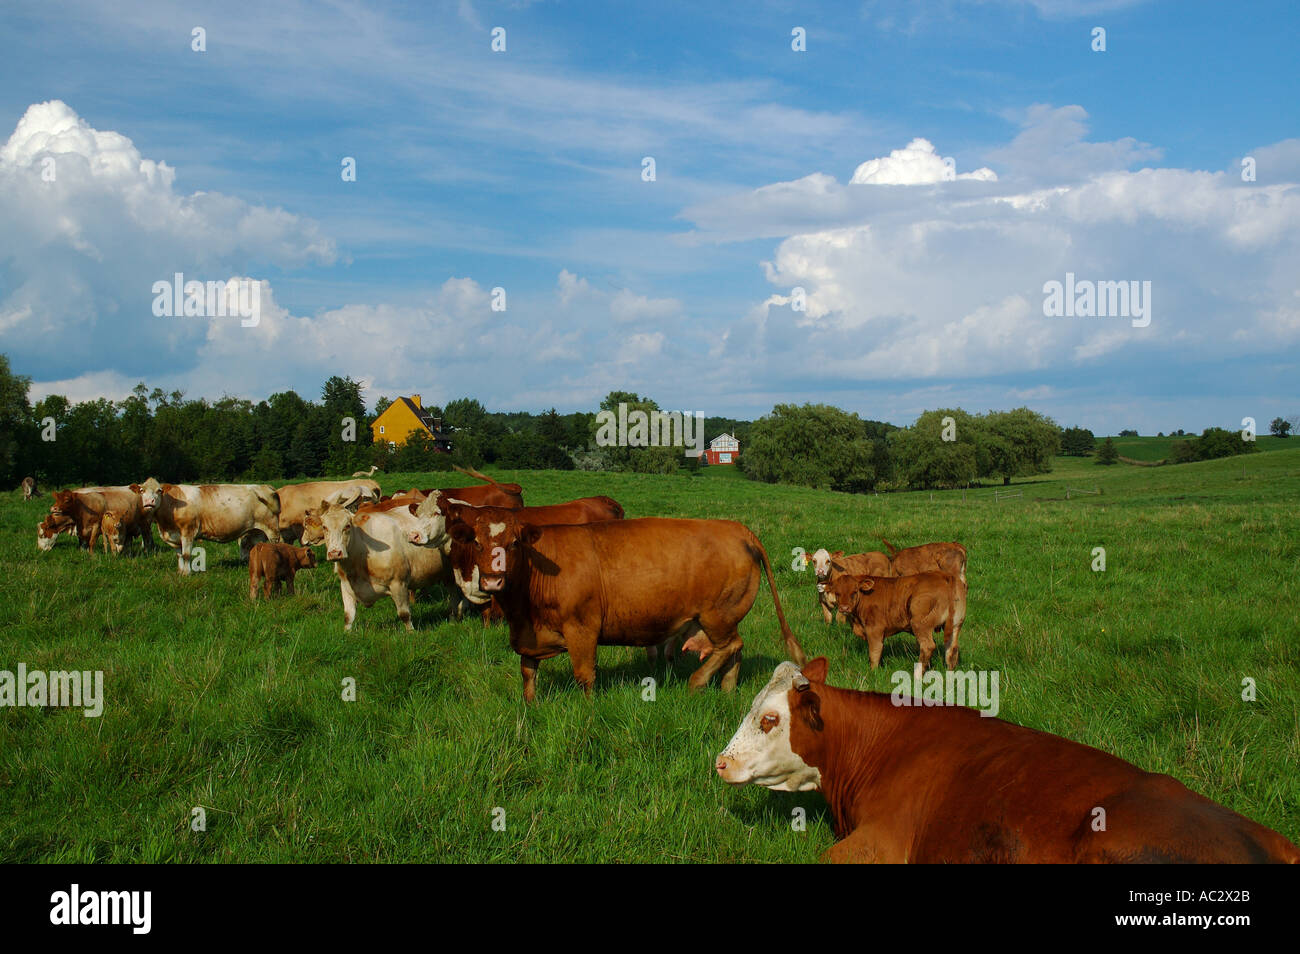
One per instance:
(569, 577)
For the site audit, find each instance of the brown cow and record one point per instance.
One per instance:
(29, 488)
(828, 566)
(274, 563)
(947, 558)
(87, 506)
(296, 499)
(975, 789)
(50, 528)
(881, 606)
(186, 513)
(618, 582)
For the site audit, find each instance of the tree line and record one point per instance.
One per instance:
(287, 436)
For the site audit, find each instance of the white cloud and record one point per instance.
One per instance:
(915, 164)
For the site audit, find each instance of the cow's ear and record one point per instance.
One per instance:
(808, 709)
(867, 584)
(412, 508)
(815, 669)
(837, 554)
(135, 488)
(461, 532)
(838, 566)
(530, 533)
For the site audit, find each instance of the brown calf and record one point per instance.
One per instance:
(880, 606)
(274, 563)
(947, 558)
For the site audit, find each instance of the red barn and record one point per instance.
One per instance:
(723, 449)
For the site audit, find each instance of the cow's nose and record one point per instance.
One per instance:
(334, 555)
(416, 536)
(492, 584)
(724, 763)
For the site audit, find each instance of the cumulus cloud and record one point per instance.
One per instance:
(88, 224)
(915, 164)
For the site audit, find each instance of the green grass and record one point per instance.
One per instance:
(1160, 448)
(212, 701)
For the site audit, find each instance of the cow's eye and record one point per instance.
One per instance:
(769, 721)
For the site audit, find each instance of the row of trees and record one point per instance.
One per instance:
(286, 436)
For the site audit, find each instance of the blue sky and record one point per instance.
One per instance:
(522, 169)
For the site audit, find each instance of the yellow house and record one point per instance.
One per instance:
(404, 417)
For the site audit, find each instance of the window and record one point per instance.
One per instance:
(381, 428)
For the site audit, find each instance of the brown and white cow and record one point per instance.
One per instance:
(47, 533)
(221, 513)
(880, 606)
(828, 566)
(947, 558)
(618, 582)
(944, 784)
(87, 506)
(274, 563)
(296, 499)
(29, 488)
(373, 557)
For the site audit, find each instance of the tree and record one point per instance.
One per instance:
(1128, 433)
(815, 445)
(936, 452)
(1077, 442)
(1107, 454)
(18, 433)
(1280, 427)
(1021, 443)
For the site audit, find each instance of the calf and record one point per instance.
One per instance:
(828, 566)
(274, 563)
(947, 558)
(29, 488)
(977, 790)
(617, 582)
(919, 604)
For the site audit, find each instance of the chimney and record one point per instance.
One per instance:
(415, 399)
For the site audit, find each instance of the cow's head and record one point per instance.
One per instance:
(822, 562)
(336, 525)
(50, 529)
(430, 521)
(764, 751)
(304, 557)
(313, 531)
(151, 493)
(849, 590)
(486, 549)
(65, 503)
(113, 528)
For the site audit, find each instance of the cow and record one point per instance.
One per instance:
(87, 506)
(618, 582)
(944, 784)
(392, 502)
(274, 563)
(29, 488)
(947, 558)
(367, 473)
(296, 499)
(373, 557)
(880, 606)
(221, 513)
(510, 496)
(827, 566)
(50, 528)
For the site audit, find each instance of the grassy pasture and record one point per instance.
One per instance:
(1161, 448)
(212, 701)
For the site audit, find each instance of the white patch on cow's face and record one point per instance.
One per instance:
(495, 530)
(822, 564)
(150, 494)
(337, 525)
(473, 592)
(430, 524)
(760, 753)
(44, 542)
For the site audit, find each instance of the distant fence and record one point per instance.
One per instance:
(1077, 490)
(1007, 494)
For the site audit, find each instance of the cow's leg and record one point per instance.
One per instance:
(581, 644)
(288, 584)
(731, 671)
(826, 608)
(924, 630)
(183, 558)
(349, 600)
(528, 670)
(875, 646)
(951, 633)
(252, 585)
(401, 599)
(722, 652)
(863, 846)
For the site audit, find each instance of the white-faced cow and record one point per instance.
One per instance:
(942, 784)
(296, 499)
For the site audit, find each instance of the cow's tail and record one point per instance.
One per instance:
(893, 551)
(471, 472)
(272, 500)
(792, 646)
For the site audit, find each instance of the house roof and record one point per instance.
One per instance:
(421, 415)
(721, 436)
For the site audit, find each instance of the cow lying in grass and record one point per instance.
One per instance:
(274, 563)
(942, 784)
(880, 606)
